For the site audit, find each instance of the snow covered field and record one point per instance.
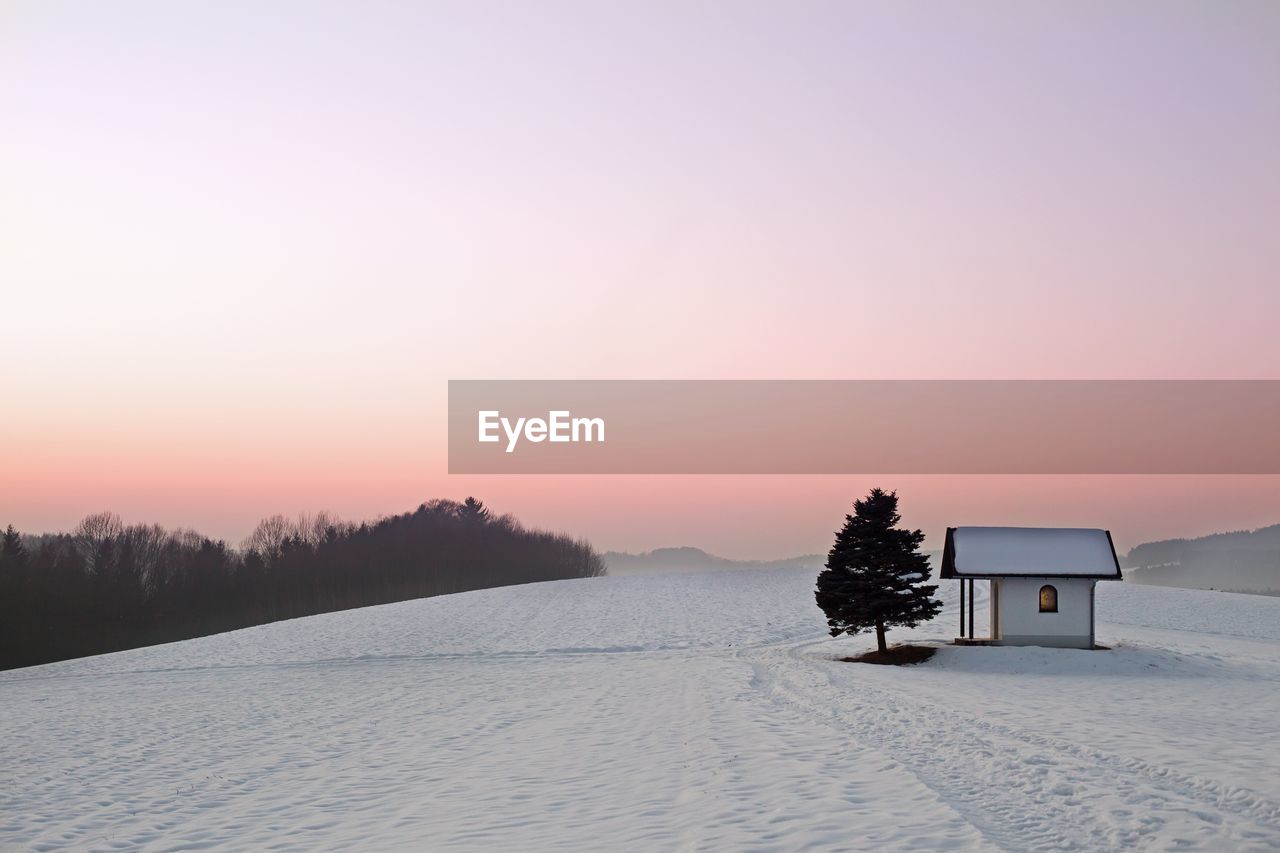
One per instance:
(689, 711)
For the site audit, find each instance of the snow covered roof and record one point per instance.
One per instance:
(1042, 552)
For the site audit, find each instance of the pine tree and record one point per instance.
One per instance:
(473, 511)
(11, 547)
(875, 572)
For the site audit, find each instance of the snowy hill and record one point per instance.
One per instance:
(1244, 560)
(687, 559)
(654, 712)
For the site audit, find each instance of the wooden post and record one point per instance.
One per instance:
(970, 608)
(995, 609)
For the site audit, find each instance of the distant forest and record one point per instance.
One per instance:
(1239, 561)
(109, 586)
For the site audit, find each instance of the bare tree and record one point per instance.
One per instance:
(93, 533)
(268, 537)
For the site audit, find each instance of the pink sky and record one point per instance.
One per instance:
(242, 249)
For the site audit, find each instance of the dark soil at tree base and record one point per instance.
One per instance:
(895, 656)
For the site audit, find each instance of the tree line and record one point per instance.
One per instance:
(1239, 560)
(109, 586)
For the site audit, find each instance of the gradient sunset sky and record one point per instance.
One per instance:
(243, 246)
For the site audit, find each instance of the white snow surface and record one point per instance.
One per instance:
(1033, 551)
(679, 711)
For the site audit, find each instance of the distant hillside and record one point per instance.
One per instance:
(109, 586)
(1243, 560)
(688, 559)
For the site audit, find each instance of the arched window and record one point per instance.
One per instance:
(1048, 599)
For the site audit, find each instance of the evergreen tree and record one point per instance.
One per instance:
(11, 548)
(473, 511)
(875, 572)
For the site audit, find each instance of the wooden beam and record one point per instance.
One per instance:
(970, 608)
(995, 608)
